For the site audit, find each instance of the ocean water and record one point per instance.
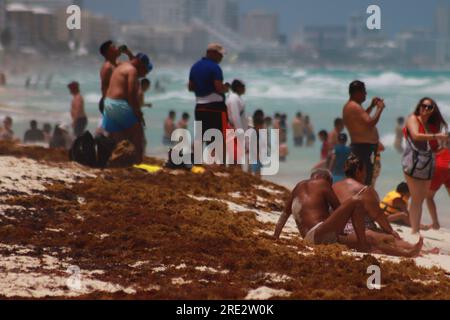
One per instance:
(320, 94)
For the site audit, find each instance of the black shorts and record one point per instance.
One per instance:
(80, 126)
(213, 116)
(367, 153)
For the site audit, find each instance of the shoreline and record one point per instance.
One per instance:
(136, 235)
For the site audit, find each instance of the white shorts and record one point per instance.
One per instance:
(329, 238)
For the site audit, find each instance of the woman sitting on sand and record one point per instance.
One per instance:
(422, 133)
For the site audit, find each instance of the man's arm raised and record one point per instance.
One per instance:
(363, 116)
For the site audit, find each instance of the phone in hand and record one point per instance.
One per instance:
(123, 48)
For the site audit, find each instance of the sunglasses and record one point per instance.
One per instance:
(427, 107)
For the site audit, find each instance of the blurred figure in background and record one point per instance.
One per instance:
(237, 117)
(79, 118)
(47, 132)
(398, 144)
(268, 122)
(143, 88)
(441, 178)
(33, 134)
(283, 128)
(6, 132)
(339, 155)
(61, 137)
(276, 121)
(309, 132)
(258, 124)
(324, 150)
(333, 136)
(169, 127)
(184, 121)
(377, 164)
(298, 129)
(2, 79)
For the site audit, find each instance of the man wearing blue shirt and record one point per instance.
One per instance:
(206, 81)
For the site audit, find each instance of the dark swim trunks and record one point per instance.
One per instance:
(366, 152)
(80, 126)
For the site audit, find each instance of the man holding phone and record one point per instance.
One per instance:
(362, 127)
(111, 53)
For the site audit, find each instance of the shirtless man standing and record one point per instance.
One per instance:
(310, 204)
(111, 53)
(386, 240)
(362, 127)
(122, 116)
(79, 119)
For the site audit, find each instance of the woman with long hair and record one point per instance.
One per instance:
(423, 132)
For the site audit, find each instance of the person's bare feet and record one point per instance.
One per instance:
(414, 252)
(436, 226)
(425, 227)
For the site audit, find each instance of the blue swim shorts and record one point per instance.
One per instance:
(118, 115)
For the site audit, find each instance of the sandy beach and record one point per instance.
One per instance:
(177, 235)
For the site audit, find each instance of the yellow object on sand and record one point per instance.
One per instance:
(148, 167)
(198, 170)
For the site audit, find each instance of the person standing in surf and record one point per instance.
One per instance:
(362, 127)
(79, 118)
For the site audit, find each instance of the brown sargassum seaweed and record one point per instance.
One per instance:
(151, 218)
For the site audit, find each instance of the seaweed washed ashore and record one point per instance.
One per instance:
(173, 235)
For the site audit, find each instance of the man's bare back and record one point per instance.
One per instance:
(355, 117)
(124, 84)
(316, 197)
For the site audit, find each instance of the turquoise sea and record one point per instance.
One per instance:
(317, 93)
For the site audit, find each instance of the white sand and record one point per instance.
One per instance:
(28, 276)
(28, 176)
(264, 293)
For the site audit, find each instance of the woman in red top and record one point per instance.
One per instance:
(441, 178)
(423, 128)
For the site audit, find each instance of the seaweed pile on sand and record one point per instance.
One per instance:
(172, 235)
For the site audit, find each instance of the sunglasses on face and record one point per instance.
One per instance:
(427, 107)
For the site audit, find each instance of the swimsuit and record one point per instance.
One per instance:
(366, 152)
(118, 115)
(329, 238)
(348, 229)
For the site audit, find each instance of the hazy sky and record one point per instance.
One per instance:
(397, 15)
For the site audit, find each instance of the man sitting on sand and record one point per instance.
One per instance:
(122, 116)
(385, 240)
(310, 204)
